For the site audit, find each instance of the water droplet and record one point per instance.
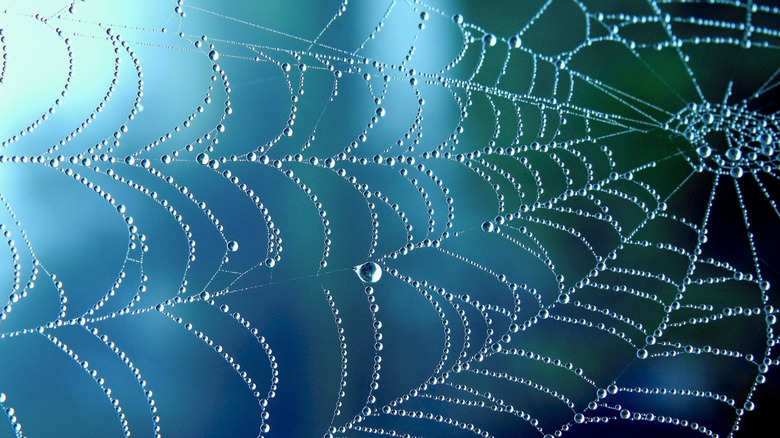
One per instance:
(368, 272)
(489, 39)
(232, 246)
(213, 55)
(704, 151)
(734, 154)
(642, 353)
(488, 226)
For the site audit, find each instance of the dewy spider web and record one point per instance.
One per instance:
(562, 216)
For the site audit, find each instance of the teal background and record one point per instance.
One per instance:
(75, 236)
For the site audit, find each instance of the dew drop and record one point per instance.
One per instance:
(734, 154)
(213, 55)
(232, 246)
(368, 272)
(488, 226)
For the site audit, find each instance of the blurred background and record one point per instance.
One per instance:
(187, 186)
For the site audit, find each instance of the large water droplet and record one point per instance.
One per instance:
(368, 272)
(734, 154)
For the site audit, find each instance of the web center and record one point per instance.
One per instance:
(729, 139)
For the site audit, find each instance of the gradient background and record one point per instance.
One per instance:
(67, 230)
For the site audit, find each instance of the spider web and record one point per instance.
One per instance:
(562, 216)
